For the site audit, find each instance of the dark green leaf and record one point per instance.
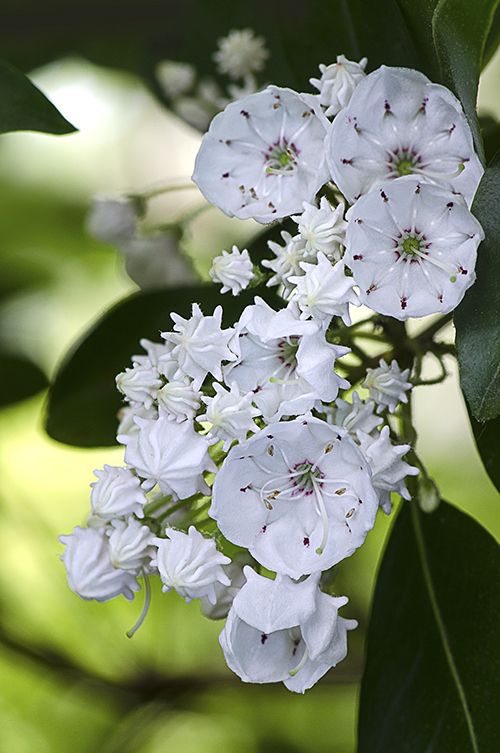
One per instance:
(432, 677)
(493, 39)
(487, 437)
(83, 400)
(20, 379)
(476, 319)
(490, 132)
(460, 29)
(25, 108)
(418, 15)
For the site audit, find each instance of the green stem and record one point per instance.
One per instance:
(151, 193)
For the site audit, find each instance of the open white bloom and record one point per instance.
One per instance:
(337, 83)
(234, 270)
(200, 345)
(412, 248)
(322, 228)
(130, 545)
(388, 470)
(224, 595)
(388, 385)
(240, 53)
(359, 415)
(191, 564)
(175, 78)
(286, 362)
(116, 492)
(129, 413)
(90, 571)
(399, 123)
(287, 259)
(169, 454)
(264, 155)
(298, 495)
(324, 290)
(230, 414)
(140, 383)
(112, 219)
(178, 399)
(279, 630)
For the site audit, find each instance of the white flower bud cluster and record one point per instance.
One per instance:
(249, 434)
(240, 56)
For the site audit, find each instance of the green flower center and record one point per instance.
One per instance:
(411, 245)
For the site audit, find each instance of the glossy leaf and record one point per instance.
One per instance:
(476, 319)
(83, 399)
(460, 30)
(487, 438)
(25, 108)
(418, 16)
(20, 379)
(432, 676)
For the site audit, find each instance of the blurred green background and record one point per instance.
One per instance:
(70, 679)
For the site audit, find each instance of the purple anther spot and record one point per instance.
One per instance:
(263, 638)
(245, 113)
(306, 541)
(225, 175)
(263, 529)
(357, 257)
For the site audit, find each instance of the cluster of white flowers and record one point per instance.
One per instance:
(240, 56)
(239, 433)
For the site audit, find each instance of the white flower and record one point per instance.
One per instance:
(324, 290)
(234, 270)
(399, 123)
(240, 53)
(224, 595)
(238, 91)
(388, 470)
(287, 259)
(200, 345)
(338, 82)
(356, 416)
(286, 362)
(322, 228)
(91, 574)
(169, 454)
(191, 564)
(411, 247)
(194, 111)
(156, 354)
(179, 400)
(264, 155)
(112, 220)
(388, 385)
(117, 492)
(128, 414)
(140, 383)
(298, 495)
(130, 545)
(230, 414)
(175, 78)
(156, 261)
(279, 630)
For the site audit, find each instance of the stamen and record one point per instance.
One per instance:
(324, 516)
(305, 657)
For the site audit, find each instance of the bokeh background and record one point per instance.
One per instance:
(70, 680)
